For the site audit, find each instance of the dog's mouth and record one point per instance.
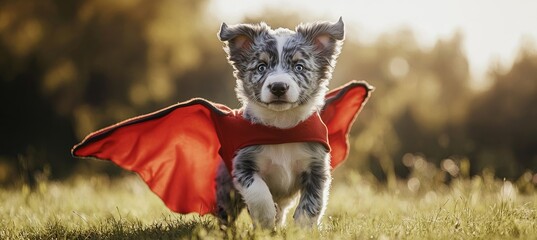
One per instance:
(280, 105)
(278, 102)
(274, 101)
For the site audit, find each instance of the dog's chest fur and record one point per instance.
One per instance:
(280, 167)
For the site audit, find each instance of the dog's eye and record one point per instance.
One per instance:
(261, 67)
(299, 67)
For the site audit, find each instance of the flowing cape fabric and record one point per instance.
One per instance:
(177, 150)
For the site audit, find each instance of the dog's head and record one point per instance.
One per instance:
(282, 69)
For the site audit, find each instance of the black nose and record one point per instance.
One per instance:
(278, 88)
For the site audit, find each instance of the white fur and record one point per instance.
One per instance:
(259, 201)
(280, 119)
(281, 37)
(280, 164)
(279, 169)
(286, 118)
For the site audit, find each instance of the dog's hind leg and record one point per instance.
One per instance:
(253, 188)
(229, 202)
(282, 208)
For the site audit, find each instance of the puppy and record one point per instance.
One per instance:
(282, 77)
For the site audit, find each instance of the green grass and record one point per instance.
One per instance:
(99, 208)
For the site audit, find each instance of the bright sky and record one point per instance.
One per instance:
(493, 29)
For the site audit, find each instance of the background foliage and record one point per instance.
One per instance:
(71, 67)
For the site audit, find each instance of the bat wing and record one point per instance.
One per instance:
(174, 150)
(341, 109)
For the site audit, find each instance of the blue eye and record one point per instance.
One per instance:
(299, 67)
(261, 67)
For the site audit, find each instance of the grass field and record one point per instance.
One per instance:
(96, 207)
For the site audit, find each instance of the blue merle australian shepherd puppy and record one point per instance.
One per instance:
(282, 78)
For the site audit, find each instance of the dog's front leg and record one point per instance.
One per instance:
(315, 183)
(253, 189)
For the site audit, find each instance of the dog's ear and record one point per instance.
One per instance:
(239, 39)
(325, 37)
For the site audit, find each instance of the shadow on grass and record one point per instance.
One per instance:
(120, 229)
(200, 228)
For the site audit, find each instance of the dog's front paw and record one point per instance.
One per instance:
(303, 219)
(263, 215)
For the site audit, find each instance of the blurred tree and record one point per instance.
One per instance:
(68, 68)
(502, 121)
(419, 102)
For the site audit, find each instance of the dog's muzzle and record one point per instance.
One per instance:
(278, 88)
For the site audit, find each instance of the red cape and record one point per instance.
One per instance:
(177, 150)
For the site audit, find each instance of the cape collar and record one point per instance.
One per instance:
(236, 132)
